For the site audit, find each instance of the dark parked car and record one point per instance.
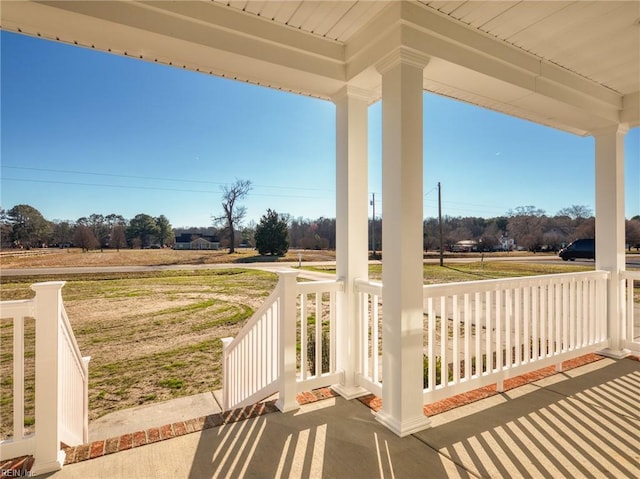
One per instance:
(582, 248)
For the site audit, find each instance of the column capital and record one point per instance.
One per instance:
(610, 130)
(402, 55)
(350, 91)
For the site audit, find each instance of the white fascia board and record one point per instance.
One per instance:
(253, 26)
(140, 31)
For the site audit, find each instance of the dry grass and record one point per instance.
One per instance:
(148, 257)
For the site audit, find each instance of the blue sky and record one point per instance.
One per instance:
(88, 132)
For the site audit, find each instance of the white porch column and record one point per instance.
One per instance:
(610, 231)
(351, 228)
(402, 270)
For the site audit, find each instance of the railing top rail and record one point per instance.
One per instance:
(369, 286)
(501, 283)
(631, 274)
(324, 286)
(18, 307)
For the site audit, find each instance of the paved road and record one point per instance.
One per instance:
(138, 269)
(633, 261)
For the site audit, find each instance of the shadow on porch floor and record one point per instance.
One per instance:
(580, 423)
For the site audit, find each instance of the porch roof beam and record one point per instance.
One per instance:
(477, 68)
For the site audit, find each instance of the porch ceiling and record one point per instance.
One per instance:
(573, 65)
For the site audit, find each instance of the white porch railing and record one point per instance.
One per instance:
(61, 380)
(287, 346)
(482, 332)
(631, 310)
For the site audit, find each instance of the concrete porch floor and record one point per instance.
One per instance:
(584, 422)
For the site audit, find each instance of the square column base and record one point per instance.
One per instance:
(349, 392)
(403, 428)
(40, 467)
(287, 407)
(614, 353)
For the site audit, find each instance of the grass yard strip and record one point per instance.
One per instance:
(182, 371)
(472, 271)
(479, 270)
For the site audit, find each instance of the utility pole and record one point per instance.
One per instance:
(373, 224)
(440, 224)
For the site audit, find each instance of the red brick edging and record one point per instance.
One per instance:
(155, 434)
(375, 403)
(17, 467)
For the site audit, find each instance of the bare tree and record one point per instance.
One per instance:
(85, 238)
(118, 237)
(576, 212)
(233, 213)
(632, 233)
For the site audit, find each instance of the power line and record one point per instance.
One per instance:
(71, 183)
(154, 178)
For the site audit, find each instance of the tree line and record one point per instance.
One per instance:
(528, 227)
(23, 226)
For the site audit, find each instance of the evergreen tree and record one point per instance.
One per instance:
(165, 231)
(143, 228)
(272, 234)
(29, 227)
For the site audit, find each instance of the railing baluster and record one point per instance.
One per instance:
(498, 344)
(332, 331)
(431, 351)
(455, 326)
(566, 316)
(318, 371)
(18, 377)
(444, 337)
(527, 334)
(477, 307)
(544, 320)
(467, 337)
(508, 319)
(375, 344)
(558, 318)
(518, 319)
(488, 330)
(304, 335)
(363, 309)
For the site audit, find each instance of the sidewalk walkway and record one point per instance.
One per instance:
(579, 423)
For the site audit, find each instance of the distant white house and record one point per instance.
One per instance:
(197, 241)
(507, 243)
